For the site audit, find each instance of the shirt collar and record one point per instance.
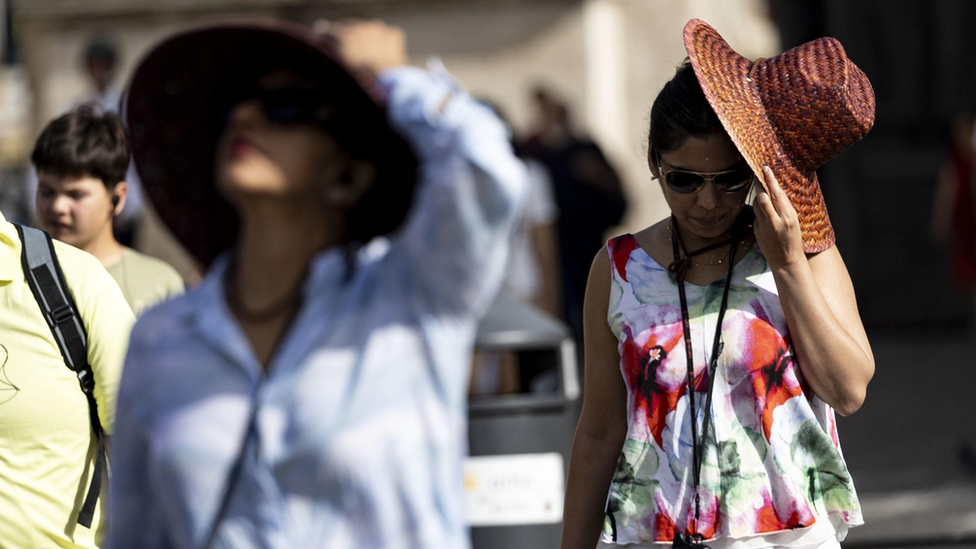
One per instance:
(208, 314)
(10, 246)
(327, 269)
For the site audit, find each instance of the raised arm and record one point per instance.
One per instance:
(818, 299)
(471, 184)
(602, 425)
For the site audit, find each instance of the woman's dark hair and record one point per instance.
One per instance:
(84, 142)
(681, 111)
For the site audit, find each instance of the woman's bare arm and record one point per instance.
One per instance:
(818, 298)
(603, 423)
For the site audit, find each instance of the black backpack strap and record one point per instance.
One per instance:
(47, 283)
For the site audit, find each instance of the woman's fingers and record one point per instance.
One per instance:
(777, 230)
(762, 189)
(776, 193)
(763, 206)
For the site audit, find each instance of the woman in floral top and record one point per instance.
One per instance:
(715, 337)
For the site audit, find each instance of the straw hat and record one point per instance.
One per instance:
(181, 91)
(792, 112)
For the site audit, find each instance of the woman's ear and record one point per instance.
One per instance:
(348, 188)
(652, 163)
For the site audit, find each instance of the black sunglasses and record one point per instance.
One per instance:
(728, 181)
(286, 105)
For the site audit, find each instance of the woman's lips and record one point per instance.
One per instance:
(709, 221)
(241, 147)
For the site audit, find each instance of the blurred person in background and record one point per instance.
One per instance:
(953, 221)
(589, 197)
(720, 341)
(533, 276)
(311, 391)
(81, 159)
(100, 63)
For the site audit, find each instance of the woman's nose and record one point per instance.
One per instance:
(246, 113)
(708, 196)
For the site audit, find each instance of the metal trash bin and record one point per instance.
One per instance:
(520, 443)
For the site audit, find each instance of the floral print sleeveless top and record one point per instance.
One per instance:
(772, 460)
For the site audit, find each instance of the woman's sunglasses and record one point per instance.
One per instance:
(727, 181)
(287, 105)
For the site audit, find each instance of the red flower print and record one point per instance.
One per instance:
(664, 528)
(771, 364)
(767, 520)
(641, 362)
(622, 248)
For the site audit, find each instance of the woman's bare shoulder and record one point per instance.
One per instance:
(654, 240)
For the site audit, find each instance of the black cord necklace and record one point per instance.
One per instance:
(717, 346)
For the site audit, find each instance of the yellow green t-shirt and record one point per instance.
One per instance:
(47, 447)
(145, 280)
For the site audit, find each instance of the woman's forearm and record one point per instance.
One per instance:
(818, 299)
(591, 469)
(826, 330)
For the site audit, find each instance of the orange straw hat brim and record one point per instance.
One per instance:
(742, 94)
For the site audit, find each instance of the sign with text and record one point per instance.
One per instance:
(513, 489)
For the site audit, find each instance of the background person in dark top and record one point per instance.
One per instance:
(588, 194)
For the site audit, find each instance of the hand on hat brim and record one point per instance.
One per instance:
(777, 227)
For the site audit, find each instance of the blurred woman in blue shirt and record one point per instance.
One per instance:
(311, 391)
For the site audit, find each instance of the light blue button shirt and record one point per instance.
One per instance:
(359, 431)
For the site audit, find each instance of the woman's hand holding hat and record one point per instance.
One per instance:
(777, 226)
(371, 45)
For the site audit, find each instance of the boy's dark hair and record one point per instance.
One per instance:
(681, 111)
(84, 142)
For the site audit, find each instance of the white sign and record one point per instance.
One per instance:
(513, 489)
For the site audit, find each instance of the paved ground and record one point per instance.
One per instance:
(912, 447)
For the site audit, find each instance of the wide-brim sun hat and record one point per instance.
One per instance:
(792, 112)
(177, 102)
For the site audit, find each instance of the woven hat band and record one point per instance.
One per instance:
(817, 101)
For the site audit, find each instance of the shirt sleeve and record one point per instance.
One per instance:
(470, 188)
